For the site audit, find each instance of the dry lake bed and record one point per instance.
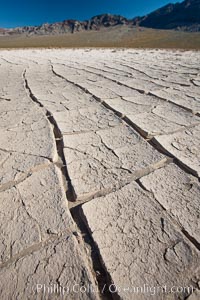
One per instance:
(99, 174)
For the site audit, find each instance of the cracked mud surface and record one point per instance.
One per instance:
(99, 173)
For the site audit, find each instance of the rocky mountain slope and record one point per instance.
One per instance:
(71, 26)
(184, 16)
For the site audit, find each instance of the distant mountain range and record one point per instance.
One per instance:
(71, 26)
(180, 16)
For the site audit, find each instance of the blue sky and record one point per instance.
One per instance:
(34, 12)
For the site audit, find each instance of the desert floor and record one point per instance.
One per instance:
(117, 36)
(99, 174)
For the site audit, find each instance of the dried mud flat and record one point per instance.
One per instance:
(99, 174)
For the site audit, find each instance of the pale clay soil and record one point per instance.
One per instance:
(99, 145)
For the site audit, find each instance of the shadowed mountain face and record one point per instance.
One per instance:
(185, 16)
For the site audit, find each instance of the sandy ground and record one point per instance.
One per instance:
(118, 36)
